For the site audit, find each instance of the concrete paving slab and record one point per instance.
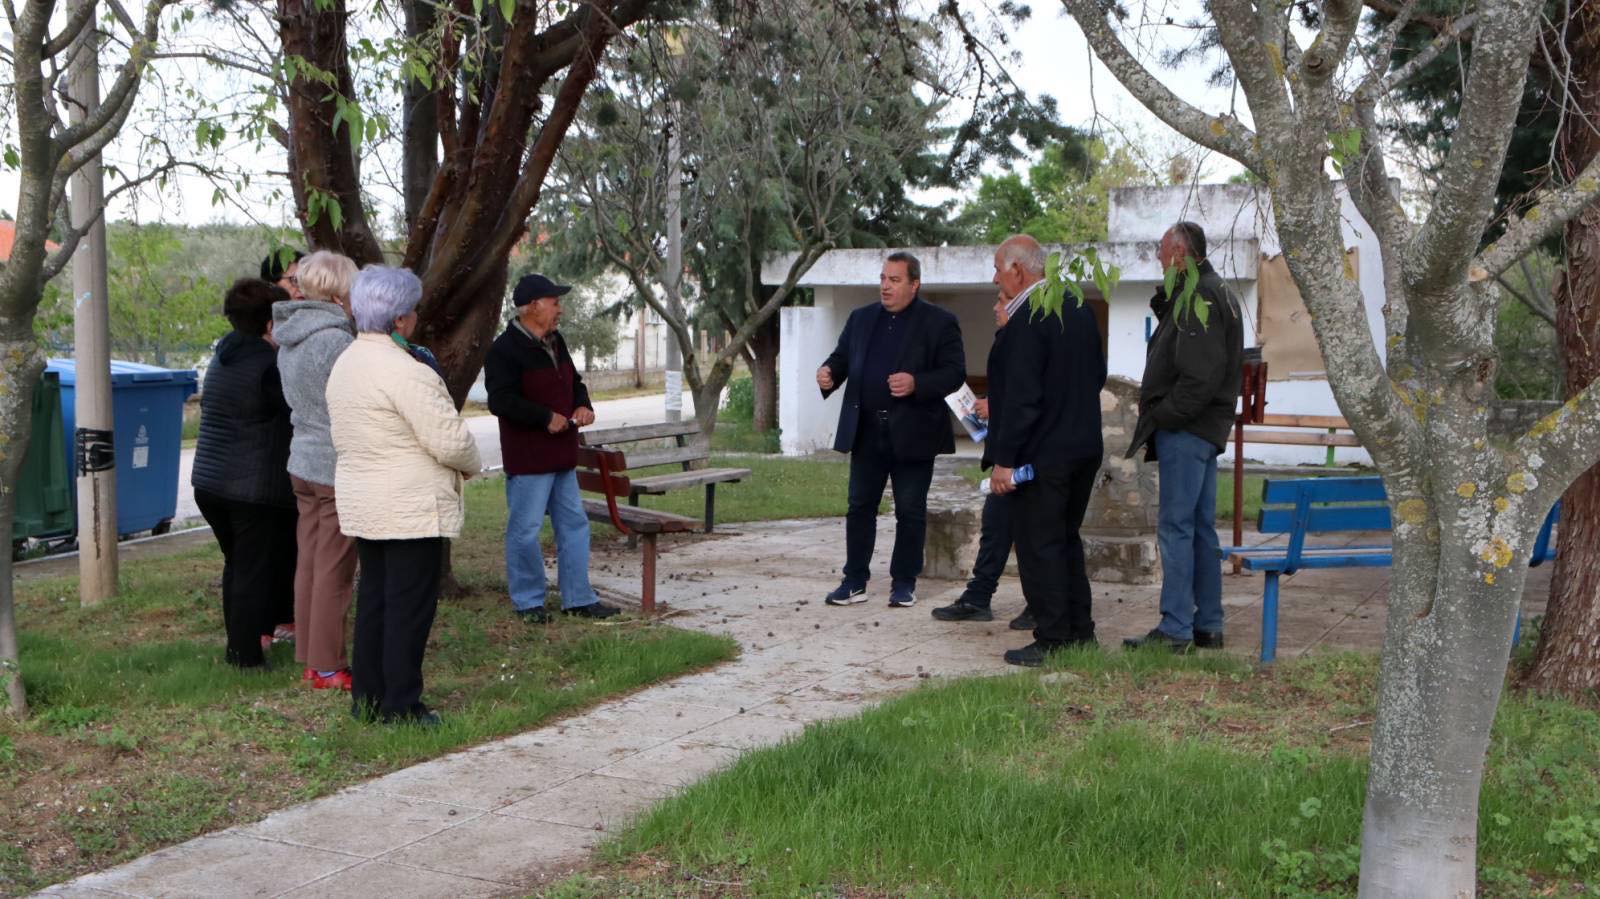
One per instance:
(501, 848)
(749, 731)
(392, 881)
(655, 721)
(594, 801)
(225, 864)
(479, 780)
(360, 822)
(678, 763)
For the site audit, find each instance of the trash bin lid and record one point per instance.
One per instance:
(123, 373)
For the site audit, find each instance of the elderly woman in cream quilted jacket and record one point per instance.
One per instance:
(403, 452)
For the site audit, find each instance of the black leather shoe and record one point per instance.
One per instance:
(535, 615)
(1031, 656)
(1159, 639)
(594, 610)
(419, 717)
(1024, 622)
(960, 611)
(1208, 639)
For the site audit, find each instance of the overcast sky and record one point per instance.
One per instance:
(1054, 60)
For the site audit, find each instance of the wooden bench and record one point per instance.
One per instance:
(1302, 507)
(600, 471)
(689, 452)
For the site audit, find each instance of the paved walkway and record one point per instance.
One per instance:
(501, 818)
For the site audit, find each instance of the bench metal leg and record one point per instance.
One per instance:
(633, 539)
(711, 504)
(647, 591)
(1269, 618)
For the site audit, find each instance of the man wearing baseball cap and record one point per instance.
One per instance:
(541, 402)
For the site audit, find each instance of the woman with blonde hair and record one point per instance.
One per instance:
(402, 453)
(311, 334)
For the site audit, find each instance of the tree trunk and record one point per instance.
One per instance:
(17, 382)
(421, 117)
(708, 397)
(326, 159)
(1445, 650)
(764, 375)
(1568, 658)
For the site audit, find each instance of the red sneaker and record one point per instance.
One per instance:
(308, 674)
(339, 680)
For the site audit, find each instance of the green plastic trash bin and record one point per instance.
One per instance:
(44, 487)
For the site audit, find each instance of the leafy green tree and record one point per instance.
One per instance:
(1065, 198)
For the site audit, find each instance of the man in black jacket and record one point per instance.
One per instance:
(1044, 384)
(897, 360)
(541, 401)
(1186, 410)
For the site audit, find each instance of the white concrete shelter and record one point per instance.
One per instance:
(1242, 247)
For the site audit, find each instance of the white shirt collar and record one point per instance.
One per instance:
(1019, 299)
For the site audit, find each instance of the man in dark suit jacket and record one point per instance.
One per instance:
(897, 360)
(1045, 386)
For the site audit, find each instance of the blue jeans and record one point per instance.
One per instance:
(528, 496)
(1186, 528)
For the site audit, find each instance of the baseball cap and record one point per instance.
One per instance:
(532, 287)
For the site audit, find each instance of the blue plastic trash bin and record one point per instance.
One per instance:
(147, 415)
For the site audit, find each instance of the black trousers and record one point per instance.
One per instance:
(872, 465)
(396, 597)
(258, 547)
(994, 548)
(1045, 516)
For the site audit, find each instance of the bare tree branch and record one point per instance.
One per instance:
(1464, 200)
(1534, 306)
(81, 17)
(1225, 134)
(1551, 212)
(1453, 32)
(102, 123)
(227, 61)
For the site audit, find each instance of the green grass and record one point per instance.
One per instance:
(1139, 775)
(735, 436)
(141, 736)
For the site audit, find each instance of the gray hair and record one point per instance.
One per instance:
(381, 294)
(325, 274)
(1024, 252)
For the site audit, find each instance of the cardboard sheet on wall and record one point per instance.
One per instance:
(1288, 343)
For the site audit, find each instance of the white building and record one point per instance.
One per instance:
(1242, 247)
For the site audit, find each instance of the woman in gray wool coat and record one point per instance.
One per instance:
(311, 333)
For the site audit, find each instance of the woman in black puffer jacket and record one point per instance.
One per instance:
(241, 476)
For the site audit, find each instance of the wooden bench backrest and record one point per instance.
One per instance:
(598, 472)
(683, 432)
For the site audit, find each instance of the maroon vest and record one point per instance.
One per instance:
(536, 450)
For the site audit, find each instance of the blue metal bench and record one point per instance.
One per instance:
(1307, 506)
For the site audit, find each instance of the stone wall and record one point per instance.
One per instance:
(1118, 530)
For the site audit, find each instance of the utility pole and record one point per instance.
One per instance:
(93, 447)
(674, 273)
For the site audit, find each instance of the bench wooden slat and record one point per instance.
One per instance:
(594, 482)
(1327, 519)
(590, 457)
(1295, 438)
(645, 521)
(667, 457)
(630, 433)
(661, 483)
(1280, 420)
(1324, 490)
